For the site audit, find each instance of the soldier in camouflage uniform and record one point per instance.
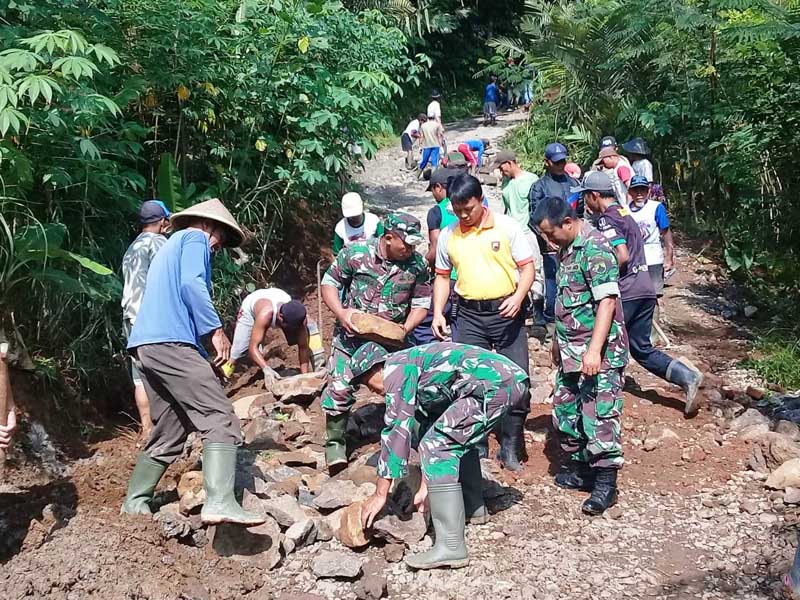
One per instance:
(591, 350)
(384, 277)
(452, 395)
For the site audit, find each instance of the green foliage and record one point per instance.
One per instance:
(106, 103)
(776, 358)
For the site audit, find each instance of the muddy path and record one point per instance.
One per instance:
(693, 521)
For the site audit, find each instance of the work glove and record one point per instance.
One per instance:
(270, 376)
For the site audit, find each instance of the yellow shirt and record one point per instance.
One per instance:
(487, 257)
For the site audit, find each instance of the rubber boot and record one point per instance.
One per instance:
(689, 380)
(219, 473)
(471, 480)
(512, 442)
(576, 476)
(604, 494)
(335, 444)
(141, 487)
(447, 514)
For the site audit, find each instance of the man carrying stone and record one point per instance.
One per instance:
(385, 277)
(494, 266)
(175, 317)
(451, 396)
(590, 349)
(636, 288)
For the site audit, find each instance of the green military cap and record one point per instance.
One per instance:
(366, 357)
(404, 225)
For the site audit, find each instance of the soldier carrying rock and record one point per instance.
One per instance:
(451, 395)
(591, 350)
(385, 277)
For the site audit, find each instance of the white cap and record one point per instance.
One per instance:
(352, 205)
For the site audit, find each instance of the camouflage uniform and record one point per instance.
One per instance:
(587, 410)
(374, 285)
(455, 394)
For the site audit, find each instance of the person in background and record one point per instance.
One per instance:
(491, 97)
(639, 151)
(410, 135)
(432, 143)
(618, 171)
(590, 350)
(175, 319)
(473, 151)
(651, 216)
(260, 311)
(636, 289)
(356, 226)
(154, 221)
(495, 271)
(434, 111)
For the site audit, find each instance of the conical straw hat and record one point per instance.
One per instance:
(213, 210)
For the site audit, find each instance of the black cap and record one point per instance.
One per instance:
(152, 211)
(293, 314)
(441, 177)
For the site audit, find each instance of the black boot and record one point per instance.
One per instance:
(604, 494)
(576, 476)
(512, 442)
(689, 380)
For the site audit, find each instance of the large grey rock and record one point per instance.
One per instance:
(242, 406)
(299, 388)
(302, 533)
(394, 529)
(337, 564)
(787, 475)
(282, 473)
(749, 418)
(337, 493)
(789, 429)
(263, 433)
(261, 544)
(659, 436)
(286, 510)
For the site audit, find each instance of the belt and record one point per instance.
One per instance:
(481, 305)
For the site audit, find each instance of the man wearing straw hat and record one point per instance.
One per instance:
(175, 318)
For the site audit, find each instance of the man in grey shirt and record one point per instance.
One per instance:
(154, 221)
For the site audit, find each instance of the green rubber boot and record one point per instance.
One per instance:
(219, 472)
(141, 487)
(335, 444)
(447, 513)
(469, 476)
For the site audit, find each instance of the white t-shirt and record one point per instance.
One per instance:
(246, 318)
(435, 110)
(651, 218)
(135, 265)
(350, 234)
(412, 128)
(644, 168)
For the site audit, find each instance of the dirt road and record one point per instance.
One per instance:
(693, 520)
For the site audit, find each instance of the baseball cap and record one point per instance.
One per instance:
(441, 177)
(595, 181)
(504, 156)
(366, 357)
(293, 313)
(639, 181)
(555, 152)
(153, 210)
(607, 151)
(404, 225)
(352, 205)
(607, 141)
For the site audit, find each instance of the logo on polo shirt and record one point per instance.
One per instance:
(496, 246)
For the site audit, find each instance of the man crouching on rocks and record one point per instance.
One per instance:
(185, 395)
(451, 395)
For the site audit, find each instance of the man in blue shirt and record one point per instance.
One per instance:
(491, 96)
(175, 318)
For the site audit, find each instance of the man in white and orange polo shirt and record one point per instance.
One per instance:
(495, 270)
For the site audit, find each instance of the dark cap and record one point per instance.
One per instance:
(152, 211)
(441, 177)
(607, 141)
(502, 157)
(293, 314)
(594, 181)
(435, 94)
(555, 152)
(636, 146)
(639, 181)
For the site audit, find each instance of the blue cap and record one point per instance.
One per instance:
(639, 181)
(555, 152)
(153, 210)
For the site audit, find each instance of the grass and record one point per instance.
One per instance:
(776, 358)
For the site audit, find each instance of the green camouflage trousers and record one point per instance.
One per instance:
(337, 397)
(460, 428)
(586, 414)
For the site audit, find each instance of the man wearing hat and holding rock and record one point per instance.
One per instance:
(385, 277)
(451, 395)
(154, 220)
(357, 225)
(175, 319)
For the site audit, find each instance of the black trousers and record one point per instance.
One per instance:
(639, 323)
(488, 330)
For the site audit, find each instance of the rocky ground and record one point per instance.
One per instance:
(708, 509)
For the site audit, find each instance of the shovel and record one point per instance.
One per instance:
(5, 398)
